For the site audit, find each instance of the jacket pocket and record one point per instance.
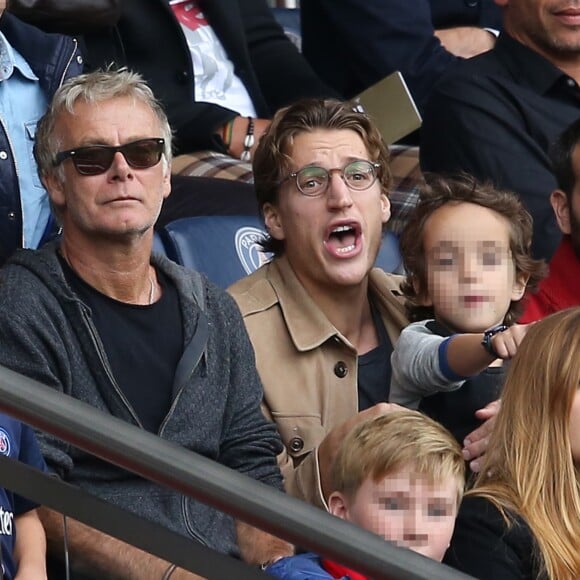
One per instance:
(300, 433)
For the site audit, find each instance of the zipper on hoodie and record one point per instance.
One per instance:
(103, 359)
(179, 393)
(193, 533)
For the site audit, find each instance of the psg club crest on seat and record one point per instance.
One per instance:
(4, 442)
(249, 250)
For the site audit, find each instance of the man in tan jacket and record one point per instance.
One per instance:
(322, 321)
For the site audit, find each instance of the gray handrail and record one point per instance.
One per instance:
(170, 465)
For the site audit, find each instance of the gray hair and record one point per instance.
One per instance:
(94, 87)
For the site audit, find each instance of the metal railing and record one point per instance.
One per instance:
(167, 464)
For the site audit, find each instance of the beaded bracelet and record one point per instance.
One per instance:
(248, 142)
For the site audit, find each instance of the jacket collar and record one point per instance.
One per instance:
(47, 54)
(307, 325)
(529, 68)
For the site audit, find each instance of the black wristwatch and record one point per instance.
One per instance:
(486, 342)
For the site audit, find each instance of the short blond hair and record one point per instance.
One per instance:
(402, 438)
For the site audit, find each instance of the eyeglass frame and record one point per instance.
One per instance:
(62, 156)
(294, 175)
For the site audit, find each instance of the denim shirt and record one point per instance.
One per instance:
(22, 103)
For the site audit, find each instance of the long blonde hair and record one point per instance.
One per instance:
(529, 468)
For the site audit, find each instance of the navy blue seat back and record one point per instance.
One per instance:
(289, 20)
(158, 247)
(224, 248)
(389, 257)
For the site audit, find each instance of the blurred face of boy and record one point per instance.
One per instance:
(405, 509)
(470, 271)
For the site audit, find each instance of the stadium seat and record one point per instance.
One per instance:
(389, 257)
(158, 247)
(226, 248)
(289, 20)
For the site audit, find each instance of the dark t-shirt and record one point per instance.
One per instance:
(456, 409)
(374, 369)
(143, 345)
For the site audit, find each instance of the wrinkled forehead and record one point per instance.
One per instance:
(94, 121)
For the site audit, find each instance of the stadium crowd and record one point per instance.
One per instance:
(437, 407)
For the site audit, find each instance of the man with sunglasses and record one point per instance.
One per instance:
(33, 64)
(96, 316)
(321, 319)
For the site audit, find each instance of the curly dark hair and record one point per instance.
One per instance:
(440, 190)
(272, 163)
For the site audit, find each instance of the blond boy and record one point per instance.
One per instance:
(400, 476)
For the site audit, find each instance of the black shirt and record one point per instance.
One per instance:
(484, 547)
(495, 116)
(143, 345)
(456, 409)
(374, 369)
(354, 44)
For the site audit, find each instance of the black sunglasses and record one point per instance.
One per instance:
(97, 159)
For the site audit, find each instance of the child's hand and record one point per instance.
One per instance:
(506, 343)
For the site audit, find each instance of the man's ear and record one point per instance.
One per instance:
(561, 207)
(337, 505)
(273, 221)
(166, 182)
(385, 208)
(55, 188)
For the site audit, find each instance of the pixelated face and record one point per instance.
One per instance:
(404, 508)
(575, 428)
(469, 268)
(550, 27)
(122, 200)
(331, 240)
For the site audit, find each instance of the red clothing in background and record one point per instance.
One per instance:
(339, 571)
(560, 290)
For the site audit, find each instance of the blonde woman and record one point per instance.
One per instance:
(522, 519)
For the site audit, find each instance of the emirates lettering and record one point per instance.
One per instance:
(6, 522)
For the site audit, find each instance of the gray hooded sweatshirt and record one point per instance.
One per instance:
(47, 334)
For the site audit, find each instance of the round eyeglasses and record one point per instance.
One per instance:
(313, 181)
